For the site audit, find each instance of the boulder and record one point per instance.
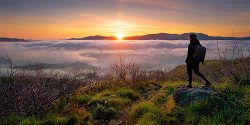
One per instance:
(184, 96)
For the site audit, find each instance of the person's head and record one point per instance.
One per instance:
(192, 36)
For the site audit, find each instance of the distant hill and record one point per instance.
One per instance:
(163, 36)
(77, 65)
(5, 39)
(97, 37)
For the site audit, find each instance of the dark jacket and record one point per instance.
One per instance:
(190, 53)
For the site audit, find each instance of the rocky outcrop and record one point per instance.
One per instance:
(184, 96)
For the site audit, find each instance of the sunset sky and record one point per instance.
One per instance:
(59, 19)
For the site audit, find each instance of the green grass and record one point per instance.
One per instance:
(147, 104)
(107, 104)
(12, 119)
(127, 93)
(159, 99)
(32, 120)
(82, 99)
(146, 111)
(225, 107)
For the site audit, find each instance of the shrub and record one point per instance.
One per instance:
(31, 91)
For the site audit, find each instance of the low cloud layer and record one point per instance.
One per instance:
(104, 45)
(103, 53)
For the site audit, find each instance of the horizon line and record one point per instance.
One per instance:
(66, 38)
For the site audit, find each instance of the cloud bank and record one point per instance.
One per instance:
(103, 53)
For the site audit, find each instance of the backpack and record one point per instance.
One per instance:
(199, 53)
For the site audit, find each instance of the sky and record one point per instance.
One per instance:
(60, 19)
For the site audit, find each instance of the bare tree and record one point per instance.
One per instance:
(33, 89)
(236, 61)
(125, 72)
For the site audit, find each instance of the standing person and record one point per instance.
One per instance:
(192, 65)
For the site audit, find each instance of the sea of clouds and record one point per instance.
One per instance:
(149, 53)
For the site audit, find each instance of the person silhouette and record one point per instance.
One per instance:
(191, 64)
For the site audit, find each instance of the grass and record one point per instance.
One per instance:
(12, 119)
(147, 104)
(127, 93)
(107, 104)
(225, 107)
(32, 120)
(143, 112)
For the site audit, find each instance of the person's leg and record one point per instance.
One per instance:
(189, 72)
(197, 72)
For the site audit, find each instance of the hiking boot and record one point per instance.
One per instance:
(189, 86)
(208, 84)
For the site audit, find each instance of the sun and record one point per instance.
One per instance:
(119, 36)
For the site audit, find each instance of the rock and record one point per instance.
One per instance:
(184, 96)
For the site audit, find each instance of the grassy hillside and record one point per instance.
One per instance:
(125, 95)
(149, 103)
(217, 71)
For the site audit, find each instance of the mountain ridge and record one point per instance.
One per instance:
(162, 36)
(6, 39)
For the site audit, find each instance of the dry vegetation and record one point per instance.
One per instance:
(31, 91)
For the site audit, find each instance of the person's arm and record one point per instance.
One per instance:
(190, 52)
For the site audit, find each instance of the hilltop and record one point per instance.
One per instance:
(127, 95)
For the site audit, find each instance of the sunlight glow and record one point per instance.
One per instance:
(119, 36)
